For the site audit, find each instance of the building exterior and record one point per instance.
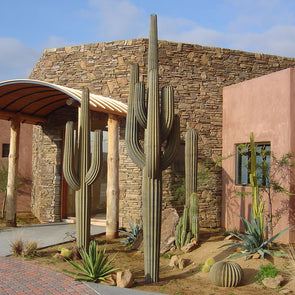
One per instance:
(266, 107)
(25, 163)
(197, 74)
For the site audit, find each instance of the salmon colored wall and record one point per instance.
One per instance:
(265, 106)
(25, 152)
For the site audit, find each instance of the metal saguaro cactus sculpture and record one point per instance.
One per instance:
(86, 174)
(161, 126)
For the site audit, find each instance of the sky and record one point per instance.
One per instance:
(28, 27)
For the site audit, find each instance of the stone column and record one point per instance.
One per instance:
(112, 218)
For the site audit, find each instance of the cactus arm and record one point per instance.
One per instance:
(133, 146)
(68, 167)
(172, 146)
(139, 104)
(96, 160)
(167, 112)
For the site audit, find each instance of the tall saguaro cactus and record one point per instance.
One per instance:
(161, 126)
(86, 174)
(191, 164)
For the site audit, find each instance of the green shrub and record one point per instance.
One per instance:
(135, 229)
(95, 266)
(253, 241)
(266, 271)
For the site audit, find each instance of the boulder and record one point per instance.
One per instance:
(174, 261)
(189, 247)
(182, 263)
(170, 219)
(125, 279)
(273, 282)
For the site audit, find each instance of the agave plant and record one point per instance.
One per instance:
(133, 234)
(252, 241)
(95, 265)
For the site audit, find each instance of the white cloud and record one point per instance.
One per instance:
(118, 19)
(278, 40)
(56, 42)
(183, 30)
(258, 15)
(16, 59)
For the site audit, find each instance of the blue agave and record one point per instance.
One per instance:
(133, 234)
(252, 241)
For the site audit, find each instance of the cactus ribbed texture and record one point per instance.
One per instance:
(81, 179)
(188, 225)
(194, 216)
(160, 126)
(226, 274)
(191, 163)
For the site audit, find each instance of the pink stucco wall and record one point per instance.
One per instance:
(25, 151)
(264, 106)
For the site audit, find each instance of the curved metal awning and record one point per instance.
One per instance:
(33, 101)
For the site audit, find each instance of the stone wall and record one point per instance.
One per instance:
(47, 165)
(197, 75)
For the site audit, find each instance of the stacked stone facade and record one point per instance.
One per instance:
(197, 75)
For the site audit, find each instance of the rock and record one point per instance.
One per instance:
(286, 291)
(189, 247)
(182, 263)
(273, 282)
(174, 261)
(194, 241)
(125, 279)
(170, 219)
(169, 245)
(110, 281)
(256, 256)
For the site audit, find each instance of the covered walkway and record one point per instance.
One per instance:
(33, 102)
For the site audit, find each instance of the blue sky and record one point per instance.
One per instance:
(28, 27)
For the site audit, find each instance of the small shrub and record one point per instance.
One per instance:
(210, 261)
(29, 249)
(95, 266)
(66, 253)
(133, 234)
(266, 271)
(17, 246)
(206, 268)
(252, 241)
(22, 248)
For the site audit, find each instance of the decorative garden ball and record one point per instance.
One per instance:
(226, 274)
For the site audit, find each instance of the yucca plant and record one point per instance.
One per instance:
(95, 266)
(133, 234)
(252, 241)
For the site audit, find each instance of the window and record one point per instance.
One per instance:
(5, 150)
(243, 163)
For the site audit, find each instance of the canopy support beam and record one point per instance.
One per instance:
(112, 218)
(12, 172)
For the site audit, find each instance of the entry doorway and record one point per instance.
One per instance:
(98, 190)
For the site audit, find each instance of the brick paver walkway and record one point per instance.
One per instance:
(21, 277)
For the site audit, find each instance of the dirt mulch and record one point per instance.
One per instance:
(190, 280)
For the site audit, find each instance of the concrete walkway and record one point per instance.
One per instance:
(47, 234)
(22, 277)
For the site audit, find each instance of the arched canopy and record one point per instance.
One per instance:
(33, 101)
